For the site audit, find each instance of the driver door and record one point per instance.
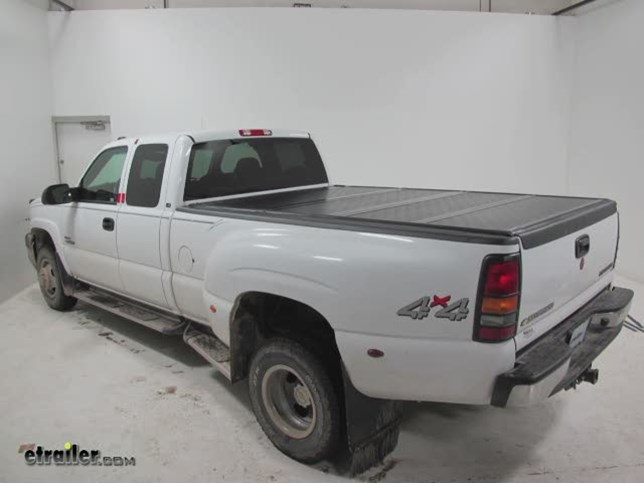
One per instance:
(90, 228)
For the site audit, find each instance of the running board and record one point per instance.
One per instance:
(156, 320)
(211, 348)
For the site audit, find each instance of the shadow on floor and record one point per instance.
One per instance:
(466, 442)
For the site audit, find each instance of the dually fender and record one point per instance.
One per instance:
(357, 282)
(268, 261)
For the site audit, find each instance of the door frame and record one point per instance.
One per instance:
(56, 120)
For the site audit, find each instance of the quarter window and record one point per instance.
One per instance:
(146, 175)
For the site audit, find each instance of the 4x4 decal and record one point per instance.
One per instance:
(421, 308)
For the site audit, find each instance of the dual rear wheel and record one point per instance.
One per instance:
(295, 401)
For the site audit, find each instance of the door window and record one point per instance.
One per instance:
(146, 175)
(101, 181)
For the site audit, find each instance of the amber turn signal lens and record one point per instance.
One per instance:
(500, 305)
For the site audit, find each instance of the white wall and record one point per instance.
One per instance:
(606, 155)
(27, 163)
(410, 98)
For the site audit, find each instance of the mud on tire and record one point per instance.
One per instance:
(51, 282)
(294, 400)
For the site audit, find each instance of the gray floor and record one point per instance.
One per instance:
(101, 382)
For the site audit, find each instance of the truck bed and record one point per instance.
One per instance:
(481, 217)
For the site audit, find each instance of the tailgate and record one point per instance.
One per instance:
(562, 275)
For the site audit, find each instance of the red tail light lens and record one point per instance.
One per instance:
(497, 308)
(502, 277)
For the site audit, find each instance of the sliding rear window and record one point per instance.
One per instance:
(231, 167)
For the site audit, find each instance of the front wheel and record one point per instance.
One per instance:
(50, 280)
(294, 400)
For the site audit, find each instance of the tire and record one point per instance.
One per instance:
(294, 400)
(50, 280)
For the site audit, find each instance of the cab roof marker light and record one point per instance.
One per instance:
(255, 132)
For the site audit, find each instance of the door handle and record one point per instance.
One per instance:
(108, 224)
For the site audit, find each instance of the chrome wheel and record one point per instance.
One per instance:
(47, 278)
(288, 401)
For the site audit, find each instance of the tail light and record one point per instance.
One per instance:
(255, 132)
(499, 295)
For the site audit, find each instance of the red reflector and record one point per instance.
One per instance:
(255, 132)
(492, 333)
(502, 277)
(120, 198)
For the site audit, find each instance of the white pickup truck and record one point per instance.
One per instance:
(334, 301)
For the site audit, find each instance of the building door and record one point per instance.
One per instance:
(78, 140)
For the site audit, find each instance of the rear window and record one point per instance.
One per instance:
(230, 167)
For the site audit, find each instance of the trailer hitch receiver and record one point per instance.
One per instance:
(591, 375)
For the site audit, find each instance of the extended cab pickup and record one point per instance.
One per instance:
(334, 301)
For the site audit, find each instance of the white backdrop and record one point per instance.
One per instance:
(26, 141)
(406, 98)
(607, 127)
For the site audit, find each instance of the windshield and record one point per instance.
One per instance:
(230, 167)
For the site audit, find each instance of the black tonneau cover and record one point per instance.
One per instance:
(484, 217)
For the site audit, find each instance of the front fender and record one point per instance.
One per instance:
(52, 229)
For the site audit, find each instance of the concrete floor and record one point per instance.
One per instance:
(106, 383)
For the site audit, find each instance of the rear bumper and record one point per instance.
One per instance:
(550, 364)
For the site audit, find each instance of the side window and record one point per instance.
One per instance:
(102, 179)
(236, 152)
(146, 175)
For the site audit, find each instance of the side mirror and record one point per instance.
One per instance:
(57, 194)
